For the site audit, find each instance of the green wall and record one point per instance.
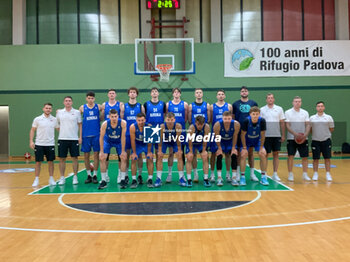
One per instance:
(32, 75)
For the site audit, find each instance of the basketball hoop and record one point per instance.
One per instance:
(164, 71)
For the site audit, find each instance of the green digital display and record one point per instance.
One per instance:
(163, 4)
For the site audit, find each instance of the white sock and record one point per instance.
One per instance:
(107, 171)
(195, 171)
(304, 174)
(228, 174)
(234, 175)
(88, 172)
(205, 176)
(219, 174)
(212, 173)
(290, 173)
(252, 171)
(315, 173)
(133, 177)
(328, 173)
(140, 171)
(150, 176)
(95, 172)
(170, 169)
(103, 175)
(181, 174)
(188, 176)
(159, 174)
(275, 173)
(123, 174)
(238, 169)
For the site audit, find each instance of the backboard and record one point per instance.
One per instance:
(179, 52)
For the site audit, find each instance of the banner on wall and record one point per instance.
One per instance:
(287, 58)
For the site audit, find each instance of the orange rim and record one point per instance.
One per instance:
(164, 67)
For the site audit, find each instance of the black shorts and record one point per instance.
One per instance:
(324, 147)
(293, 146)
(47, 151)
(65, 145)
(272, 144)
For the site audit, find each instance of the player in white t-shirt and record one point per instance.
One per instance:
(44, 126)
(298, 126)
(322, 126)
(69, 138)
(274, 116)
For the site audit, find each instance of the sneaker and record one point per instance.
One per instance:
(95, 181)
(75, 180)
(212, 178)
(139, 180)
(169, 178)
(329, 177)
(207, 183)
(62, 181)
(119, 179)
(102, 185)
(149, 183)
(228, 179)
(182, 181)
(276, 178)
(220, 182)
(88, 180)
(123, 184)
(195, 178)
(189, 183)
(126, 179)
(315, 176)
(107, 178)
(158, 182)
(254, 178)
(133, 184)
(52, 182)
(291, 177)
(242, 181)
(306, 178)
(234, 182)
(264, 181)
(36, 182)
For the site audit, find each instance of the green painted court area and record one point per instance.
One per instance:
(113, 186)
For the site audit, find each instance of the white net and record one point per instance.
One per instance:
(164, 72)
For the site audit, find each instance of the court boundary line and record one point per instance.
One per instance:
(60, 201)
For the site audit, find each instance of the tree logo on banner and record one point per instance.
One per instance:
(242, 59)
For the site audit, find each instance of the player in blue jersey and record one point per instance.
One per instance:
(112, 135)
(228, 130)
(197, 143)
(139, 146)
(170, 139)
(180, 110)
(130, 110)
(253, 137)
(198, 108)
(91, 135)
(112, 103)
(216, 111)
(240, 112)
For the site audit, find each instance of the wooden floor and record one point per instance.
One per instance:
(311, 223)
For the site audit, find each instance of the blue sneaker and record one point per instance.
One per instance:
(264, 180)
(242, 181)
(182, 181)
(207, 183)
(158, 182)
(189, 183)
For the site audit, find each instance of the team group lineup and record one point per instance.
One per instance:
(224, 130)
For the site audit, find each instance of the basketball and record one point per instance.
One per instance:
(92, 167)
(299, 139)
(27, 155)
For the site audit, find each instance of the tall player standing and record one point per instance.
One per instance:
(91, 135)
(180, 109)
(198, 108)
(216, 111)
(241, 110)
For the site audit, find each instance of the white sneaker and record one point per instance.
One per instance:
(306, 178)
(119, 179)
(254, 178)
(52, 181)
(36, 182)
(329, 177)
(107, 178)
(195, 178)
(75, 180)
(276, 177)
(212, 178)
(315, 176)
(169, 178)
(62, 181)
(291, 177)
(228, 178)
